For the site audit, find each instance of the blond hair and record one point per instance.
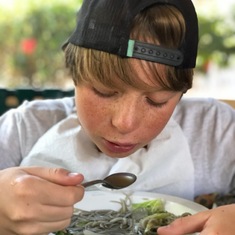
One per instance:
(162, 25)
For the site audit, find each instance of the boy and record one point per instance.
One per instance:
(131, 62)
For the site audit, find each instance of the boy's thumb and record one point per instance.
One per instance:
(55, 175)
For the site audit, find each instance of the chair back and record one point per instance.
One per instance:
(13, 98)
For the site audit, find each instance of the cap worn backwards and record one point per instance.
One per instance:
(105, 25)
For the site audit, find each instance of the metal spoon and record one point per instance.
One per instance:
(114, 181)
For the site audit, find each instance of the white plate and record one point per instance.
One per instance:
(96, 200)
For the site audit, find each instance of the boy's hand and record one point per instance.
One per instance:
(218, 221)
(36, 200)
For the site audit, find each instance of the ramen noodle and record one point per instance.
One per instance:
(132, 219)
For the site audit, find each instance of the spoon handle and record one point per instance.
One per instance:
(90, 183)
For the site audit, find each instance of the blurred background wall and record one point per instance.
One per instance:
(32, 32)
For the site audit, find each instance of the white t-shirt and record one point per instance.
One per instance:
(203, 144)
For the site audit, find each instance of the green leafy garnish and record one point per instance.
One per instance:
(151, 206)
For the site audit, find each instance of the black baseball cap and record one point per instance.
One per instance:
(105, 25)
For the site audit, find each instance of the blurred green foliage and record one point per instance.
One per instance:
(217, 40)
(47, 26)
(32, 33)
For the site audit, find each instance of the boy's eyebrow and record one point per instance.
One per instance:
(160, 89)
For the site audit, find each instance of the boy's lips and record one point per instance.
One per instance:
(118, 147)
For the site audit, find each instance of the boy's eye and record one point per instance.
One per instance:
(103, 93)
(155, 104)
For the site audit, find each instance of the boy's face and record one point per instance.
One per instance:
(121, 121)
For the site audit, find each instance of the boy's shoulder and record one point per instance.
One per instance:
(206, 108)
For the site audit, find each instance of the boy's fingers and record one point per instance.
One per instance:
(185, 225)
(55, 175)
(48, 185)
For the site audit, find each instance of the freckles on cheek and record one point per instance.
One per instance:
(89, 113)
(156, 124)
(155, 130)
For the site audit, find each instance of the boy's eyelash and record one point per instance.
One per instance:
(107, 95)
(101, 94)
(158, 105)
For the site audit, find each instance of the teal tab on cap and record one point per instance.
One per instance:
(130, 49)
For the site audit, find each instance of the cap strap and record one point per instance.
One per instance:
(146, 51)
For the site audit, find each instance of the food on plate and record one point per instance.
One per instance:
(142, 218)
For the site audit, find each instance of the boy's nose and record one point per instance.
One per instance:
(126, 118)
